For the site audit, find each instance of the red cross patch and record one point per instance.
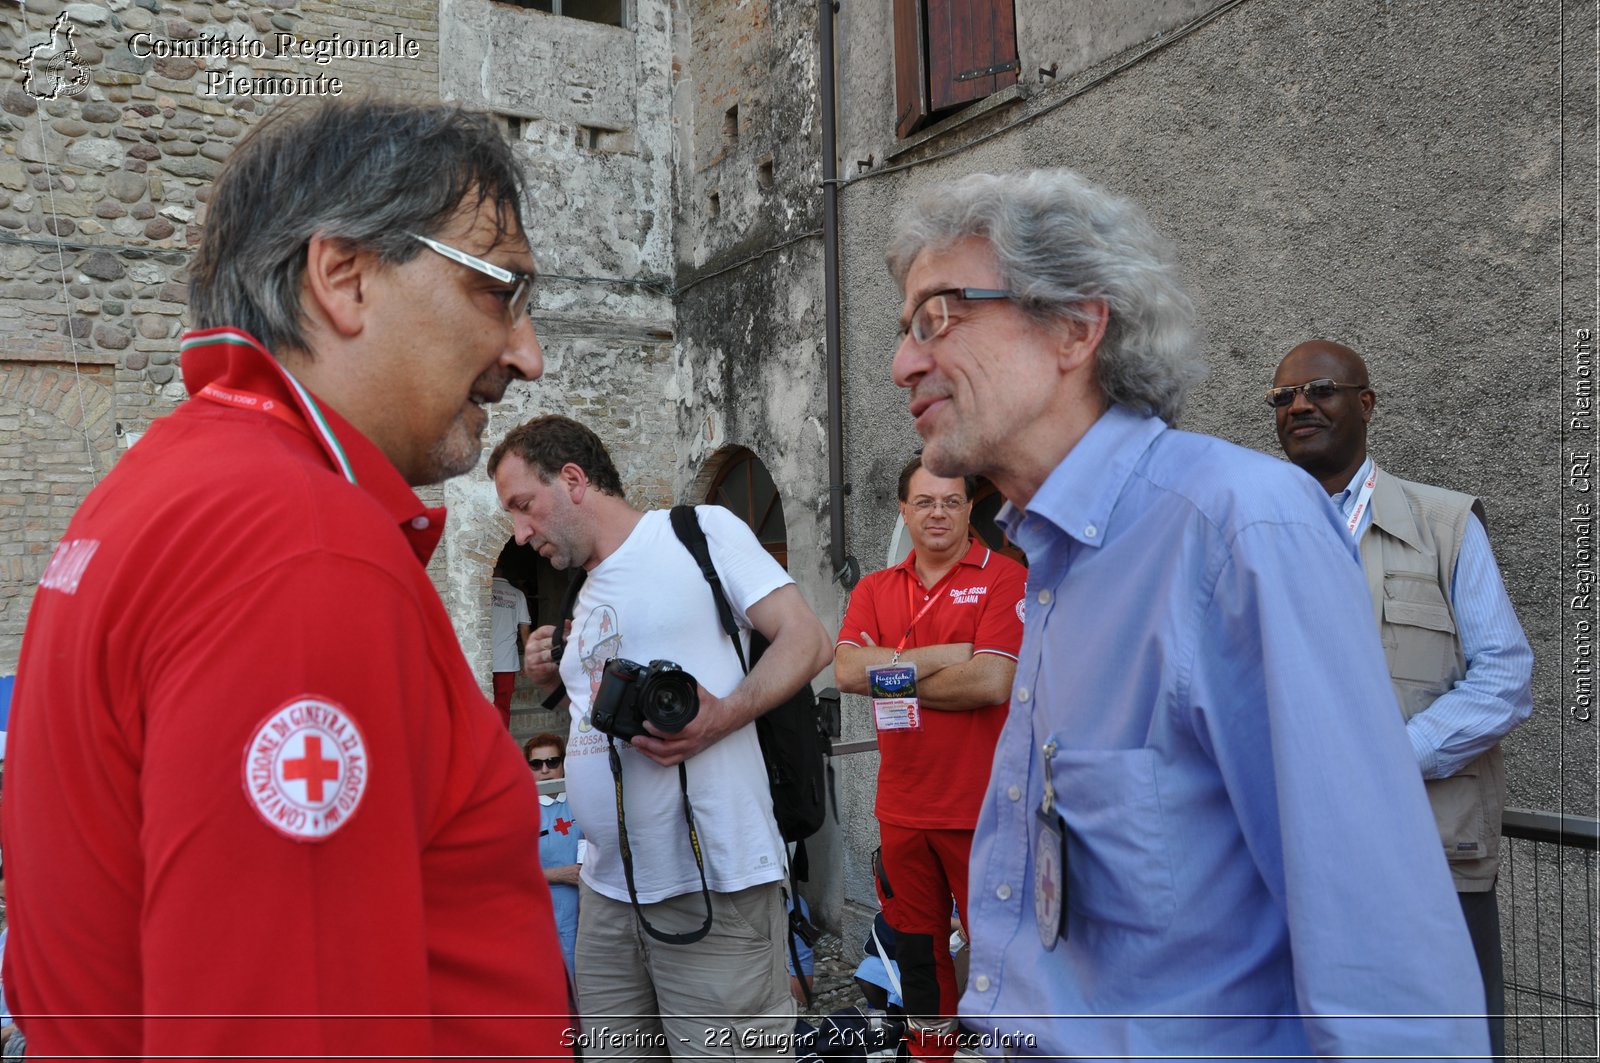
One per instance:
(305, 768)
(563, 825)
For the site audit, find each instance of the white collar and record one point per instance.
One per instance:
(546, 799)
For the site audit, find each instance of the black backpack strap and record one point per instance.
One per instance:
(687, 527)
(558, 637)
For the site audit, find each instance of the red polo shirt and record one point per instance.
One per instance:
(253, 792)
(935, 777)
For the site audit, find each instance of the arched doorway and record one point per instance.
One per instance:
(743, 485)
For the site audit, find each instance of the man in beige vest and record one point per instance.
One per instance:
(1460, 664)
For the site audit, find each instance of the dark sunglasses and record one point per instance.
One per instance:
(549, 762)
(1315, 390)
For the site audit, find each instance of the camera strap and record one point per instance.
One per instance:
(691, 936)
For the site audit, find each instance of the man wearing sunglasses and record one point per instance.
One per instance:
(1189, 845)
(255, 797)
(1460, 664)
(952, 610)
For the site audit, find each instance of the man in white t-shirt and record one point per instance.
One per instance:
(650, 981)
(510, 625)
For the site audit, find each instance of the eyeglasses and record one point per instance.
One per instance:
(517, 300)
(546, 763)
(924, 504)
(932, 316)
(1315, 390)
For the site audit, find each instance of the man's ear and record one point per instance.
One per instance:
(1081, 339)
(337, 282)
(1369, 399)
(573, 481)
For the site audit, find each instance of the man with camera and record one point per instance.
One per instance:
(681, 925)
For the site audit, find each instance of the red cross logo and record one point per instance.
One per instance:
(563, 825)
(313, 768)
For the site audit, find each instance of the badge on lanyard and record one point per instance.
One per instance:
(1050, 861)
(894, 696)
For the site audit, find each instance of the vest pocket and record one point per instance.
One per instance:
(1117, 864)
(1419, 633)
(1458, 809)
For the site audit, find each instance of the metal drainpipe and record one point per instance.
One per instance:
(845, 569)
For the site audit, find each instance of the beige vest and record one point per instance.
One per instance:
(1409, 556)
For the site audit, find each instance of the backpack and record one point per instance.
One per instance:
(794, 744)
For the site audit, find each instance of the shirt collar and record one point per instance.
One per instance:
(234, 360)
(977, 555)
(1080, 493)
(548, 799)
(1344, 500)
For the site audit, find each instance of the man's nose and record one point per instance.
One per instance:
(523, 353)
(1298, 403)
(911, 362)
(521, 529)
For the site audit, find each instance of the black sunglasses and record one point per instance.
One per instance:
(548, 762)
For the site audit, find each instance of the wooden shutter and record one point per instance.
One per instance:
(972, 50)
(910, 68)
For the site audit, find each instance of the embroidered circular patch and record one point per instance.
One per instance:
(1022, 610)
(305, 768)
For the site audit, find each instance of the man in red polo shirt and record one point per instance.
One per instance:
(255, 801)
(952, 612)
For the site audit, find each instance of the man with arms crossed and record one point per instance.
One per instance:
(1461, 667)
(953, 611)
(1189, 846)
(254, 797)
(644, 599)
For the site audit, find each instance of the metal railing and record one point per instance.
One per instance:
(1550, 934)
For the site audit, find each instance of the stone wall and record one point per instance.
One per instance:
(103, 187)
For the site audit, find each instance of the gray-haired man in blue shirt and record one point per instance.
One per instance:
(1190, 845)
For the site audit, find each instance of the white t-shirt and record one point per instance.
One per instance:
(649, 601)
(509, 607)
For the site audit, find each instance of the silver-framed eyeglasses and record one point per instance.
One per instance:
(950, 504)
(521, 293)
(932, 316)
(1320, 390)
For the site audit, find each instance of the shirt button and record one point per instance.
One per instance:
(419, 523)
(1044, 597)
(1004, 892)
(1090, 532)
(1014, 792)
(1022, 695)
(981, 983)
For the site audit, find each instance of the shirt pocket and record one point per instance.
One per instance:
(1420, 633)
(1119, 869)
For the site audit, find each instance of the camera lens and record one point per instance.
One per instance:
(669, 700)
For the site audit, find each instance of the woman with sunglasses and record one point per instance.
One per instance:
(561, 844)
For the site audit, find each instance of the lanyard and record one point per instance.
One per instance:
(249, 400)
(316, 422)
(1362, 497)
(911, 595)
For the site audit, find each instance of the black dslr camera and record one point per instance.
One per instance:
(631, 693)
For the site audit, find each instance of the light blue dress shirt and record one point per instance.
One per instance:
(1253, 866)
(1496, 694)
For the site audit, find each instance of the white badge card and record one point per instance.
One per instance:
(894, 697)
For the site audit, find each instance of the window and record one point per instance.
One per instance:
(610, 12)
(949, 53)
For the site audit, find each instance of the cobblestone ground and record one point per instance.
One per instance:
(831, 979)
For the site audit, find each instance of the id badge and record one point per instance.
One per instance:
(894, 697)
(1050, 876)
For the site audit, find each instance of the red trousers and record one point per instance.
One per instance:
(925, 870)
(505, 685)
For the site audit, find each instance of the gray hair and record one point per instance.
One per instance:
(368, 171)
(1060, 242)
